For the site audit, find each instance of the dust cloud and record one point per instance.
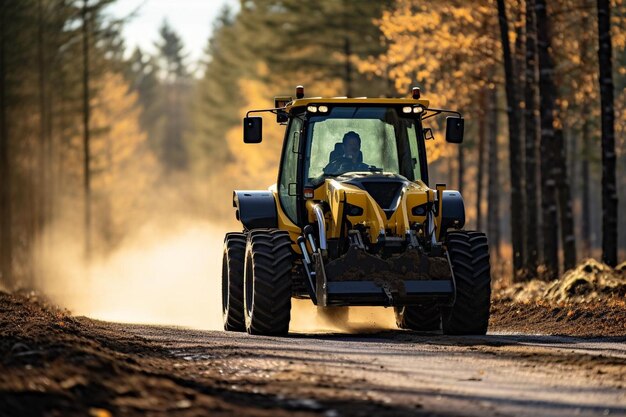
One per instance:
(308, 318)
(169, 273)
(162, 275)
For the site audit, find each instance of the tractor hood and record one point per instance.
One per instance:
(385, 188)
(385, 204)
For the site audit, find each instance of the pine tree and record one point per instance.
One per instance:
(218, 96)
(609, 188)
(324, 42)
(174, 75)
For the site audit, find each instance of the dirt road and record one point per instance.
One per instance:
(405, 373)
(54, 364)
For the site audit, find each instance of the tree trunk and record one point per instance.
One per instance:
(583, 156)
(6, 256)
(515, 149)
(519, 59)
(547, 106)
(609, 188)
(566, 217)
(585, 197)
(482, 130)
(493, 197)
(86, 116)
(531, 136)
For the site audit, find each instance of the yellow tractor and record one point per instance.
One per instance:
(352, 221)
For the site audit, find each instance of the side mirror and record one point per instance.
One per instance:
(252, 129)
(454, 129)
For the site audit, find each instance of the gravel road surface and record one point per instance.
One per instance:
(56, 364)
(496, 375)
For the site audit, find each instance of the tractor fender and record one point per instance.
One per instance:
(255, 209)
(452, 210)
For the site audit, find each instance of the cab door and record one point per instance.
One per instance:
(288, 187)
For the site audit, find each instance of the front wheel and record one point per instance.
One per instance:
(469, 254)
(267, 282)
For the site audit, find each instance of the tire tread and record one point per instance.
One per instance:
(469, 254)
(269, 250)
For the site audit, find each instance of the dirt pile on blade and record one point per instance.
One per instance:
(591, 281)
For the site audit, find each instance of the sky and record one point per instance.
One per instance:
(191, 19)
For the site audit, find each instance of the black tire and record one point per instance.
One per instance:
(232, 282)
(469, 254)
(424, 318)
(267, 282)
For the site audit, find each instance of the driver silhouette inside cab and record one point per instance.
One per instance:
(346, 156)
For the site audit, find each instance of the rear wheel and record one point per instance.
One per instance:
(419, 318)
(232, 282)
(469, 254)
(267, 282)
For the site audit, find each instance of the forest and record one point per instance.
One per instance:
(96, 138)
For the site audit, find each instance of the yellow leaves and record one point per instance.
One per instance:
(123, 169)
(618, 24)
(458, 74)
(618, 37)
(437, 149)
(461, 13)
(428, 44)
(620, 122)
(451, 49)
(115, 126)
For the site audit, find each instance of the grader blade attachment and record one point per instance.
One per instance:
(360, 278)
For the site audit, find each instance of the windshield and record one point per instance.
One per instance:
(361, 139)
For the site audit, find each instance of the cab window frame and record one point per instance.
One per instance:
(419, 137)
(287, 151)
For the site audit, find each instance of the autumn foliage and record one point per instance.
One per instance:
(160, 130)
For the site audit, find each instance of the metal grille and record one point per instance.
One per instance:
(384, 193)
